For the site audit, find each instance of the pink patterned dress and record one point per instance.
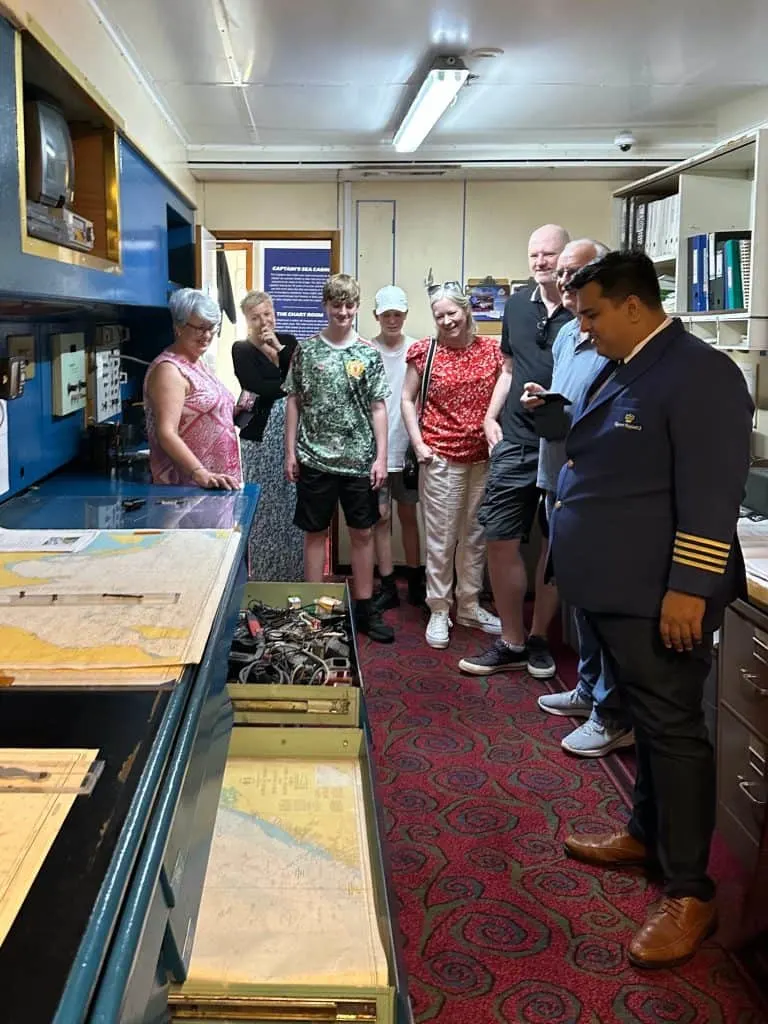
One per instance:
(207, 425)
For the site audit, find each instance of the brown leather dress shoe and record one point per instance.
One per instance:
(614, 850)
(673, 932)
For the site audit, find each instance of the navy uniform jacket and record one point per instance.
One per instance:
(649, 498)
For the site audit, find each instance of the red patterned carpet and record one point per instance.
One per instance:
(498, 925)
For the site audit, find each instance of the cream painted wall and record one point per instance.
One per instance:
(502, 214)
(428, 233)
(75, 29)
(433, 226)
(487, 234)
(268, 206)
(742, 114)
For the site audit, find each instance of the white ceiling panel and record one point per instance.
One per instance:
(205, 104)
(174, 40)
(339, 74)
(349, 110)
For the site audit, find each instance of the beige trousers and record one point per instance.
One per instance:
(450, 494)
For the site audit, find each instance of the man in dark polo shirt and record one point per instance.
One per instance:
(532, 318)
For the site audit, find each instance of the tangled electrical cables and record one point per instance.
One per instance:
(308, 646)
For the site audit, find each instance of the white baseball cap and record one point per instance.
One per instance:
(391, 297)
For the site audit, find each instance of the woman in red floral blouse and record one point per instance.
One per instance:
(450, 445)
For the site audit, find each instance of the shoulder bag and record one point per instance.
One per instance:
(410, 462)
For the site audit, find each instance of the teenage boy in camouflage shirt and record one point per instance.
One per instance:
(336, 443)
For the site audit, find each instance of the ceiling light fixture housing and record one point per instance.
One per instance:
(438, 90)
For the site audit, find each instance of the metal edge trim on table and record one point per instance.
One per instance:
(92, 950)
(125, 945)
(404, 1012)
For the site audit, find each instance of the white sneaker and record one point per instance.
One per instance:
(437, 634)
(478, 618)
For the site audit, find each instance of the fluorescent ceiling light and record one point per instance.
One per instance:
(438, 90)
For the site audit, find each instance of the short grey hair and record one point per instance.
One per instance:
(600, 249)
(187, 302)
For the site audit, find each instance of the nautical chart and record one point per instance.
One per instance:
(288, 896)
(129, 602)
(31, 820)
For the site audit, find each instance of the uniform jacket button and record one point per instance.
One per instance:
(558, 504)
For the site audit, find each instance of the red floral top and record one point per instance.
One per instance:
(459, 394)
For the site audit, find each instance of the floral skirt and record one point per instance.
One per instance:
(276, 546)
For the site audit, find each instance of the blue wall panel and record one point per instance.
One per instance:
(136, 296)
(144, 201)
(39, 443)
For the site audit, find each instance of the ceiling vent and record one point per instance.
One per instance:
(404, 170)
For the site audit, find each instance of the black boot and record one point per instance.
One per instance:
(387, 597)
(368, 620)
(417, 585)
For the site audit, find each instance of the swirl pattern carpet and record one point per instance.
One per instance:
(498, 925)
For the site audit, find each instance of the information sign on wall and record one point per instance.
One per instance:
(294, 278)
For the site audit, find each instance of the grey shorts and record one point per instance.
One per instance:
(512, 499)
(395, 490)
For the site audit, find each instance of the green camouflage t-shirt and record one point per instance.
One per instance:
(336, 385)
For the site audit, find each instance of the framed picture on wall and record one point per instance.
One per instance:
(487, 297)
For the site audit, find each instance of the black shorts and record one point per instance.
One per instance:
(318, 492)
(512, 499)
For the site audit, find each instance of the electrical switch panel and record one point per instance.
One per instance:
(69, 373)
(112, 335)
(103, 384)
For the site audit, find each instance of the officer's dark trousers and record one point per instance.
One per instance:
(674, 799)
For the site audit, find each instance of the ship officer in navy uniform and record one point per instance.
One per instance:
(644, 540)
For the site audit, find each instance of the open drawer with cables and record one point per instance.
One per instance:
(294, 659)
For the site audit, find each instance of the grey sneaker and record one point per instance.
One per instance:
(499, 658)
(569, 705)
(596, 739)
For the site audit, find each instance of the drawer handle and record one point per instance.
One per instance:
(752, 681)
(746, 788)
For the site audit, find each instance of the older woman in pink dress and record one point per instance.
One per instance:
(190, 414)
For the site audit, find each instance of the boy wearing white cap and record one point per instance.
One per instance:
(391, 310)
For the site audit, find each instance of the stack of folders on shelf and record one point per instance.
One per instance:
(668, 293)
(652, 223)
(719, 265)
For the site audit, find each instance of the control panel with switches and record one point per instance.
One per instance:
(103, 384)
(69, 373)
(12, 377)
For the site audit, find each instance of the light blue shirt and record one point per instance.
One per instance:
(576, 364)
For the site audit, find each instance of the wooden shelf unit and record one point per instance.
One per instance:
(722, 189)
(42, 68)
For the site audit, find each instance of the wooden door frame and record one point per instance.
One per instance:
(246, 247)
(334, 237)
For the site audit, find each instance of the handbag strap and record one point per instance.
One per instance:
(426, 376)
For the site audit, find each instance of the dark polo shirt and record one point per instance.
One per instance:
(532, 359)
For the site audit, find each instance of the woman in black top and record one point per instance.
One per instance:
(276, 547)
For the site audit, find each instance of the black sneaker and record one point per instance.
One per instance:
(373, 626)
(499, 658)
(541, 664)
(386, 598)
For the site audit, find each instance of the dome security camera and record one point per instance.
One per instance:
(625, 141)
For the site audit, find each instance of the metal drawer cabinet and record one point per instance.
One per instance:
(742, 748)
(742, 783)
(744, 666)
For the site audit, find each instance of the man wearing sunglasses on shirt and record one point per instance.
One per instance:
(533, 317)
